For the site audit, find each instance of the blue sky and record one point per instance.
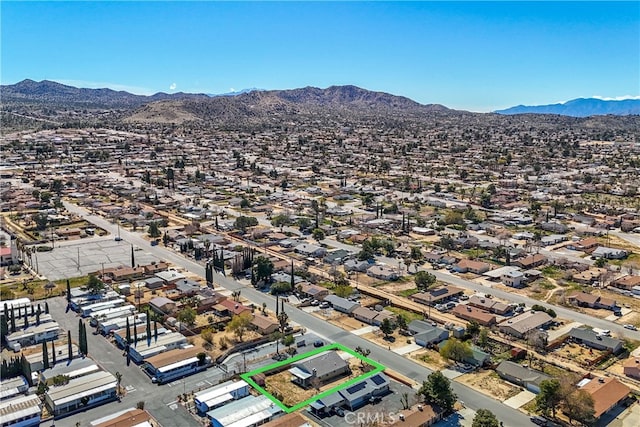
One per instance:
(466, 55)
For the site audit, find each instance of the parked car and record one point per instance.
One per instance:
(339, 412)
(325, 305)
(630, 327)
(118, 238)
(318, 343)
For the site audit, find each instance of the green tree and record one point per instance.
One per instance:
(187, 316)
(579, 406)
(401, 321)
(154, 230)
(280, 288)
(387, 327)
(549, 397)
(281, 220)
(485, 418)
(45, 355)
(318, 234)
(239, 324)
(243, 222)
(94, 285)
(365, 352)
(437, 389)
(264, 269)
(424, 280)
(456, 350)
(288, 340)
(343, 290)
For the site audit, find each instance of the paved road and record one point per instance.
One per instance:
(563, 312)
(472, 398)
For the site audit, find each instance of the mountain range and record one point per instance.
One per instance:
(580, 107)
(255, 104)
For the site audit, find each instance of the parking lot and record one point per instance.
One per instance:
(88, 256)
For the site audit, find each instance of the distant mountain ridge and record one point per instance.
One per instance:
(50, 92)
(580, 107)
(277, 105)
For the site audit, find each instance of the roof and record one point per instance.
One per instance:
(527, 321)
(219, 390)
(525, 374)
(263, 322)
(588, 336)
(170, 357)
(365, 313)
(341, 303)
(245, 412)
(82, 386)
(473, 313)
(72, 368)
(584, 298)
(128, 418)
(290, 420)
(160, 301)
(496, 273)
(423, 414)
(20, 407)
(323, 363)
(606, 392)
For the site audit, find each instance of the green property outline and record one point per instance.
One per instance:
(335, 346)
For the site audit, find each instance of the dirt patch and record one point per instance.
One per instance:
(430, 358)
(488, 382)
(574, 353)
(398, 286)
(378, 337)
(348, 323)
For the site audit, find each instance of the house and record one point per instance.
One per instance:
(81, 393)
(584, 244)
(371, 317)
(146, 349)
(422, 415)
(519, 326)
(531, 261)
(497, 273)
(382, 272)
(341, 304)
(336, 257)
(437, 295)
(229, 307)
(314, 291)
(264, 324)
(321, 368)
(477, 357)
(471, 266)
(21, 411)
(162, 305)
(425, 334)
(326, 404)
(72, 368)
(607, 393)
(553, 239)
(11, 387)
(631, 367)
(358, 394)
(187, 287)
(248, 411)
(583, 299)
(33, 334)
(609, 253)
(221, 394)
(170, 277)
(293, 419)
(594, 340)
(177, 363)
(356, 265)
(521, 375)
(128, 418)
(513, 279)
(489, 304)
(626, 282)
(309, 250)
(471, 314)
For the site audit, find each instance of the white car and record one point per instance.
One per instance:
(631, 327)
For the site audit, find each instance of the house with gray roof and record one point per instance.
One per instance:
(521, 375)
(426, 334)
(594, 340)
(341, 304)
(310, 250)
(322, 368)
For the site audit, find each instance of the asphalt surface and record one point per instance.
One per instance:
(471, 398)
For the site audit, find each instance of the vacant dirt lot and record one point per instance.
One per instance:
(488, 382)
(378, 338)
(577, 354)
(430, 358)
